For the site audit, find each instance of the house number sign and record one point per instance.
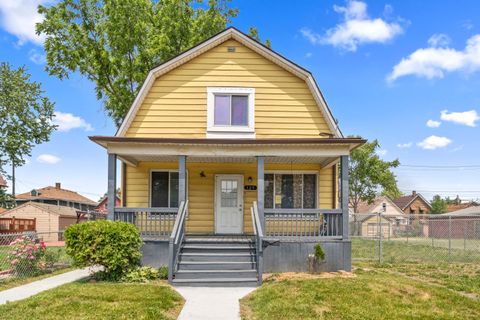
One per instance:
(250, 187)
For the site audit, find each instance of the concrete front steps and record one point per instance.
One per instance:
(217, 262)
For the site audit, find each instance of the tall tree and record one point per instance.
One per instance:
(253, 33)
(7, 201)
(115, 43)
(26, 116)
(369, 175)
(438, 204)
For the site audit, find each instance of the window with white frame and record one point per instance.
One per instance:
(231, 110)
(164, 189)
(291, 191)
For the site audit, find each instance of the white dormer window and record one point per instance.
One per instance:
(231, 112)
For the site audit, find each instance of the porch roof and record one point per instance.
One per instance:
(300, 150)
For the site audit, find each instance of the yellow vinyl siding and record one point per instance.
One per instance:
(201, 189)
(176, 105)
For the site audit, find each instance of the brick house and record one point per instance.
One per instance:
(57, 196)
(414, 203)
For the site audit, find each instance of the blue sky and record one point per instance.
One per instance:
(385, 68)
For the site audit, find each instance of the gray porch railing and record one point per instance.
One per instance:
(304, 223)
(176, 239)
(151, 222)
(258, 232)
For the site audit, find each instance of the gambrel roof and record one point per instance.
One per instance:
(231, 33)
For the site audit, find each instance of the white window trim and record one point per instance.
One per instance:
(150, 185)
(302, 172)
(230, 131)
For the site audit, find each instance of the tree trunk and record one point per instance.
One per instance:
(13, 181)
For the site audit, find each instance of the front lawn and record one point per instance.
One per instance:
(417, 250)
(84, 300)
(374, 293)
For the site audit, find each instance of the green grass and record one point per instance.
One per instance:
(83, 300)
(461, 277)
(417, 250)
(372, 294)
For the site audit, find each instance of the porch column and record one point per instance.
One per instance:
(182, 160)
(344, 196)
(261, 189)
(112, 185)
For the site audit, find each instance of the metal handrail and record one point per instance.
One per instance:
(258, 232)
(176, 239)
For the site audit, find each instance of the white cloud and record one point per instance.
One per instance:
(404, 145)
(467, 25)
(433, 124)
(434, 142)
(36, 57)
(48, 159)
(439, 40)
(434, 62)
(308, 55)
(382, 152)
(467, 118)
(68, 121)
(19, 17)
(356, 28)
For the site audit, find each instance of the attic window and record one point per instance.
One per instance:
(230, 112)
(34, 193)
(231, 49)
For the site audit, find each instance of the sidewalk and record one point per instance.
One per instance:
(33, 288)
(204, 303)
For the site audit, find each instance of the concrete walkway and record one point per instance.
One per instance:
(205, 303)
(33, 288)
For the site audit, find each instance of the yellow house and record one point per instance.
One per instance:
(227, 148)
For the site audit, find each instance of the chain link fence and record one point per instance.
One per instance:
(30, 254)
(415, 238)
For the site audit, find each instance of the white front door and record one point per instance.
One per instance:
(228, 204)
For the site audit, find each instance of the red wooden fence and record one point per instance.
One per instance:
(12, 225)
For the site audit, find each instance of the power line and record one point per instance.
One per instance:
(440, 166)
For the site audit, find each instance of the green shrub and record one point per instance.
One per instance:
(51, 257)
(163, 272)
(141, 274)
(319, 253)
(112, 244)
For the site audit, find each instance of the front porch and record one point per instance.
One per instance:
(276, 192)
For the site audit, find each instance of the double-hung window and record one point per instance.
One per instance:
(230, 112)
(291, 191)
(164, 189)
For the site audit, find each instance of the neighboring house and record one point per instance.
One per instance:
(102, 205)
(367, 221)
(413, 204)
(458, 204)
(50, 219)
(460, 224)
(57, 196)
(245, 136)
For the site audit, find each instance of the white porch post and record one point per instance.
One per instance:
(182, 160)
(261, 189)
(112, 185)
(344, 196)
